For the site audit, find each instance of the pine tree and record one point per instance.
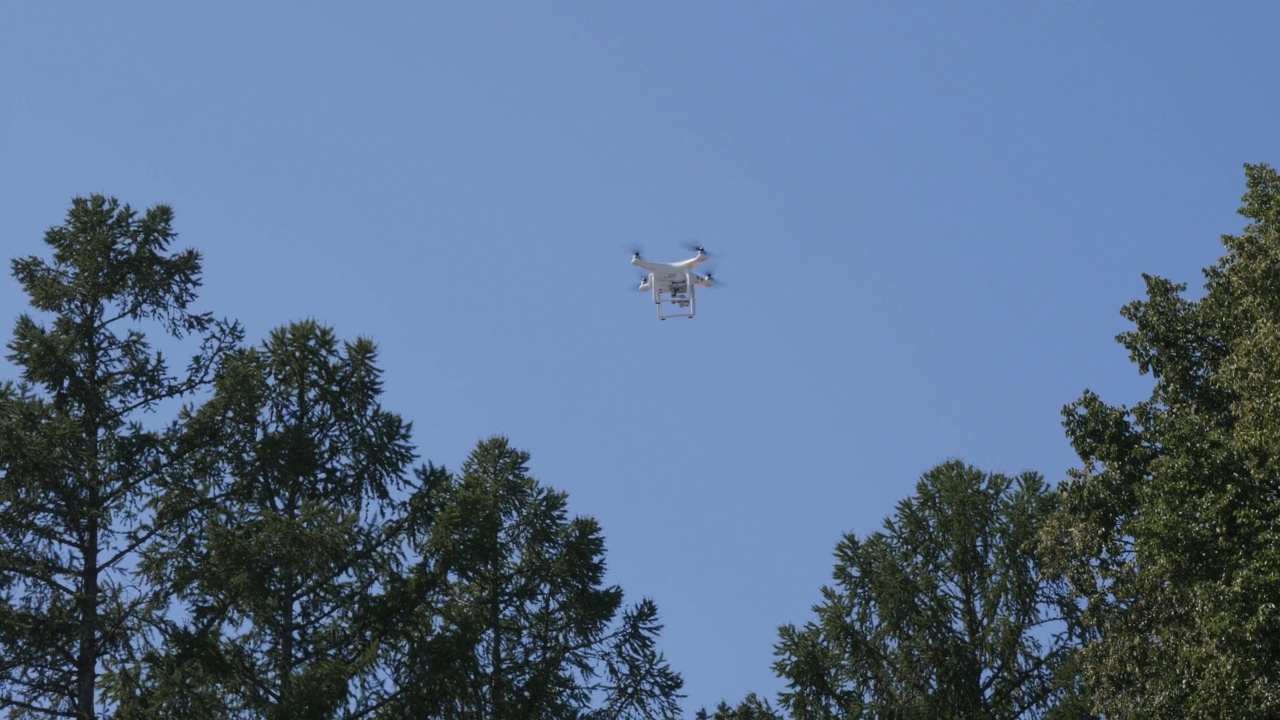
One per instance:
(78, 466)
(521, 623)
(749, 708)
(946, 613)
(283, 567)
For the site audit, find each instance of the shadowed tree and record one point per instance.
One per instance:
(946, 613)
(750, 708)
(1170, 531)
(78, 468)
(281, 571)
(520, 621)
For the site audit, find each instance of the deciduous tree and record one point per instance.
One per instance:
(1170, 530)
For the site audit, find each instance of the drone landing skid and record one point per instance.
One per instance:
(683, 302)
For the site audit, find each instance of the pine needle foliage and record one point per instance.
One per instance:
(945, 613)
(522, 623)
(290, 538)
(79, 469)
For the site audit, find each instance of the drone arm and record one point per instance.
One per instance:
(642, 264)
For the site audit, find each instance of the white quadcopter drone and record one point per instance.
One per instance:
(674, 283)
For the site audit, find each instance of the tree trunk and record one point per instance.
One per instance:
(87, 657)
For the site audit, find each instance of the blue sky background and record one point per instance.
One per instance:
(927, 216)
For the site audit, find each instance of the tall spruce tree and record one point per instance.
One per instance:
(1170, 531)
(78, 467)
(520, 623)
(283, 567)
(943, 614)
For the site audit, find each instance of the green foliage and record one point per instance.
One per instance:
(945, 613)
(266, 555)
(751, 708)
(77, 467)
(288, 538)
(520, 622)
(1170, 532)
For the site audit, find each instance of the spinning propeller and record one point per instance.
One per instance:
(695, 247)
(708, 279)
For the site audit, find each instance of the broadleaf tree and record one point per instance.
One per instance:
(1170, 529)
(945, 613)
(78, 466)
(518, 621)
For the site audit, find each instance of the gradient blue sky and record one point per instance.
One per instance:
(928, 215)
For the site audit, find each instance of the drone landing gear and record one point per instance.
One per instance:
(682, 300)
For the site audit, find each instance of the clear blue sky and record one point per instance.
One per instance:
(928, 214)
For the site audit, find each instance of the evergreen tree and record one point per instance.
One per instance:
(946, 613)
(750, 708)
(1170, 531)
(282, 568)
(78, 468)
(520, 623)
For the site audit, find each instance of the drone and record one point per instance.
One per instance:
(674, 284)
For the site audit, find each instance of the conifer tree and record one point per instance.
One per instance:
(78, 466)
(749, 708)
(945, 613)
(520, 623)
(283, 567)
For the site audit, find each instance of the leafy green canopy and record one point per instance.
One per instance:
(1170, 531)
(946, 613)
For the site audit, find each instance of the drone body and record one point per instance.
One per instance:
(674, 284)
